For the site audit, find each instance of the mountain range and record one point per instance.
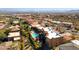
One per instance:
(39, 10)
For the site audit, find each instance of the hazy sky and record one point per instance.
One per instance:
(38, 9)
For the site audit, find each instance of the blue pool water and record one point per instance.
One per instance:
(35, 35)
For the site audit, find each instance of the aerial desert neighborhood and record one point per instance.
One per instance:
(39, 29)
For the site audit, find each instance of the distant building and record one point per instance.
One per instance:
(2, 24)
(16, 22)
(15, 32)
(15, 35)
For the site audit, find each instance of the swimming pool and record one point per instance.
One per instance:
(35, 35)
